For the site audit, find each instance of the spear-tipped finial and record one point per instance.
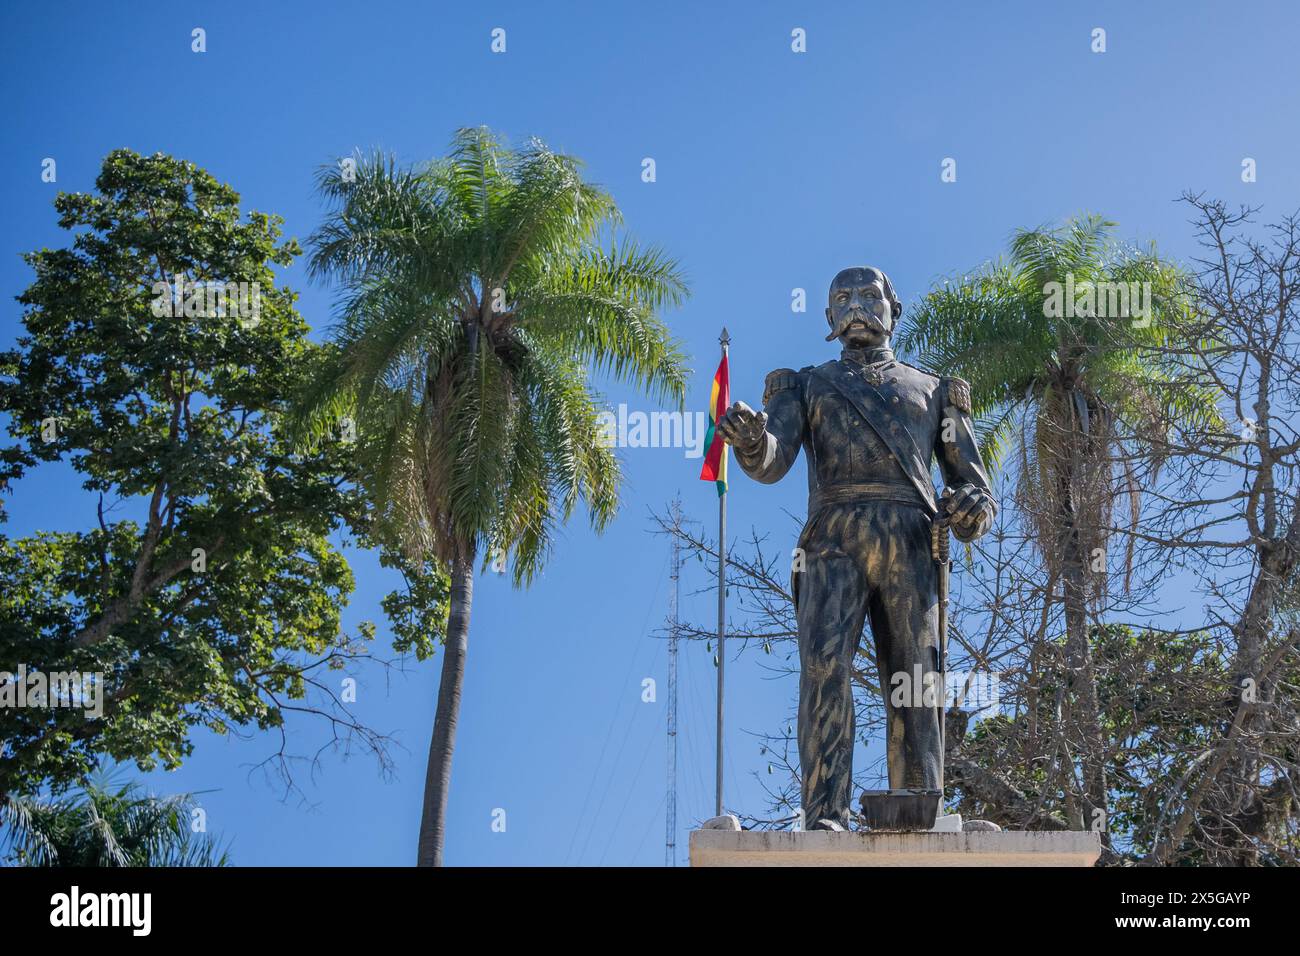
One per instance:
(724, 338)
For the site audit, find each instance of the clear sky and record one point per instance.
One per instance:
(774, 170)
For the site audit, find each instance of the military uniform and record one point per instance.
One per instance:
(870, 426)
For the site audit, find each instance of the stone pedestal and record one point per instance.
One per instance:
(826, 848)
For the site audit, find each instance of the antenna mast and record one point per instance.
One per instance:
(670, 851)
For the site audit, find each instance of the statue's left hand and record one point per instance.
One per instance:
(971, 511)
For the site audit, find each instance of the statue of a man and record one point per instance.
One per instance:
(870, 426)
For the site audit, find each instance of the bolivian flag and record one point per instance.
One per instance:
(715, 455)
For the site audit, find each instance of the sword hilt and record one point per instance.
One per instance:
(939, 538)
(939, 542)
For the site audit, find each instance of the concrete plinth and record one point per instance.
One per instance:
(827, 848)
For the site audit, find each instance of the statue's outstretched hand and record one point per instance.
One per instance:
(743, 428)
(970, 511)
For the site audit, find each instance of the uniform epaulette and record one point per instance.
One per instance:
(779, 380)
(958, 393)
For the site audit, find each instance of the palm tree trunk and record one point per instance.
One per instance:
(437, 777)
(1083, 676)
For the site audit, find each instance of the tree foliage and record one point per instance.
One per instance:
(206, 590)
(478, 297)
(106, 825)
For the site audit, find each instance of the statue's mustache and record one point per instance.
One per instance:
(869, 319)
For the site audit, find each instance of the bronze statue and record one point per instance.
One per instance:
(870, 548)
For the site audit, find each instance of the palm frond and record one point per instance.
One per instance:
(477, 292)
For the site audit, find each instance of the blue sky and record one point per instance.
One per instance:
(774, 170)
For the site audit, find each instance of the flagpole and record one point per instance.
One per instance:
(725, 340)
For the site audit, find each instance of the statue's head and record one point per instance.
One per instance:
(862, 308)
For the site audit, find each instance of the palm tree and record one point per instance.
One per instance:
(481, 292)
(105, 826)
(1057, 395)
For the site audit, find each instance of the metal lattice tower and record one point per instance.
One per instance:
(670, 814)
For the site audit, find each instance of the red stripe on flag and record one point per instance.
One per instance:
(720, 399)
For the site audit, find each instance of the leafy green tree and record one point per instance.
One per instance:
(481, 290)
(206, 590)
(1066, 388)
(105, 826)
(1161, 698)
